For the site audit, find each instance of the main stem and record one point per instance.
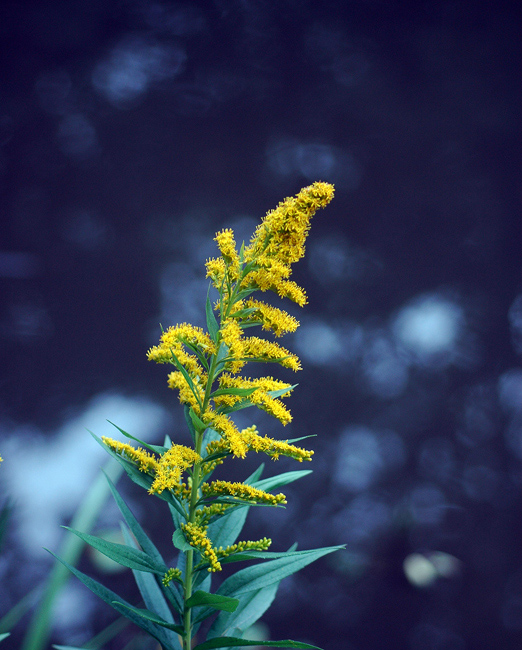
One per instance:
(189, 560)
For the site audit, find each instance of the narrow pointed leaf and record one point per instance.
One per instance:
(265, 574)
(157, 449)
(281, 391)
(275, 482)
(122, 554)
(230, 641)
(153, 596)
(212, 324)
(147, 615)
(251, 607)
(108, 596)
(141, 537)
(4, 636)
(224, 603)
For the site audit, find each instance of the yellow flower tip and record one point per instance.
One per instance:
(197, 537)
(241, 491)
(146, 462)
(172, 574)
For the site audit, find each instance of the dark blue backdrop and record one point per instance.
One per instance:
(129, 133)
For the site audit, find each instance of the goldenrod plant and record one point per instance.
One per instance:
(180, 607)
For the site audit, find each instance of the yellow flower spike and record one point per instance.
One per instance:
(232, 336)
(228, 430)
(259, 397)
(241, 491)
(197, 537)
(283, 231)
(259, 545)
(274, 448)
(172, 341)
(227, 247)
(145, 461)
(272, 318)
(261, 350)
(216, 269)
(171, 466)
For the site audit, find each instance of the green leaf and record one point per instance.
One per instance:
(251, 607)
(141, 537)
(67, 647)
(122, 554)
(275, 482)
(147, 615)
(230, 641)
(152, 594)
(111, 598)
(4, 636)
(212, 600)
(281, 391)
(155, 448)
(242, 392)
(212, 324)
(265, 574)
(199, 425)
(225, 530)
(179, 541)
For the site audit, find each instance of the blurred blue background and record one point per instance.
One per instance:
(129, 133)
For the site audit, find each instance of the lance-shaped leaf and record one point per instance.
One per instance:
(152, 596)
(275, 482)
(111, 598)
(230, 642)
(127, 556)
(147, 615)
(224, 603)
(4, 635)
(265, 574)
(155, 448)
(212, 324)
(251, 607)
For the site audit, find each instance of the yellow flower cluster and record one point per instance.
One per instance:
(271, 318)
(241, 491)
(226, 427)
(257, 349)
(269, 446)
(227, 247)
(146, 462)
(170, 467)
(274, 448)
(259, 397)
(197, 537)
(283, 231)
(172, 574)
(172, 342)
(259, 545)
